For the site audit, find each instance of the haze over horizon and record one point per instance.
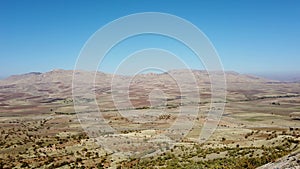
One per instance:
(253, 37)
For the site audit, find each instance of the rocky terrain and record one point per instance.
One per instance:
(41, 129)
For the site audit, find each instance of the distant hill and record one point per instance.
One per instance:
(284, 77)
(65, 76)
(57, 85)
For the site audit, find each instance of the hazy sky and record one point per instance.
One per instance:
(251, 36)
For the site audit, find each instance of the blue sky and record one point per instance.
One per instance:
(251, 36)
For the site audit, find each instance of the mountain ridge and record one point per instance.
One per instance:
(69, 73)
